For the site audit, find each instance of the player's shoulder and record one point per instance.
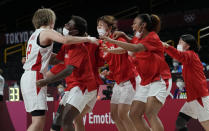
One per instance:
(192, 54)
(48, 32)
(153, 35)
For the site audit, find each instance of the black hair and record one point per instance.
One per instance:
(147, 19)
(191, 41)
(80, 24)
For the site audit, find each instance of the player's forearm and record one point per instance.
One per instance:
(117, 51)
(63, 74)
(75, 39)
(129, 46)
(174, 53)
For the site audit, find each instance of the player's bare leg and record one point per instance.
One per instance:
(153, 107)
(205, 125)
(123, 110)
(115, 117)
(136, 114)
(37, 124)
(78, 122)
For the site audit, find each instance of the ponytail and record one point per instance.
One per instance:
(156, 23)
(153, 22)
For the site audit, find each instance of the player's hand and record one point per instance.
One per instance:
(23, 60)
(118, 34)
(106, 39)
(104, 48)
(41, 83)
(165, 44)
(93, 40)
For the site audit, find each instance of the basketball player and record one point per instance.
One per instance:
(149, 62)
(197, 105)
(96, 61)
(81, 84)
(38, 53)
(122, 71)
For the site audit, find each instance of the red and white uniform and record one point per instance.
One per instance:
(82, 76)
(122, 71)
(37, 57)
(81, 85)
(96, 61)
(36, 65)
(153, 69)
(197, 105)
(165, 70)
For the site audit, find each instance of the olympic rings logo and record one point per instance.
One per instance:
(189, 18)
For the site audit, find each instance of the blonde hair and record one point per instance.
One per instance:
(43, 17)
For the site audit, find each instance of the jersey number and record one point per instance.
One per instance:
(29, 50)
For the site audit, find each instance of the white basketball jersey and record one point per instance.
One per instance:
(37, 57)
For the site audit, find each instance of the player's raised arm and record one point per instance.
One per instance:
(52, 35)
(125, 45)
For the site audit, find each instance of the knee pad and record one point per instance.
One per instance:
(181, 122)
(38, 113)
(58, 116)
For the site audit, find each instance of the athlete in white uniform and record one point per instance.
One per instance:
(38, 53)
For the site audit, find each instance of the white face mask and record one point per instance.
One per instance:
(179, 47)
(180, 84)
(101, 31)
(137, 34)
(65, 31)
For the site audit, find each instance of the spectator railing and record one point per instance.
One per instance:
(203, 35)
(14, 49)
